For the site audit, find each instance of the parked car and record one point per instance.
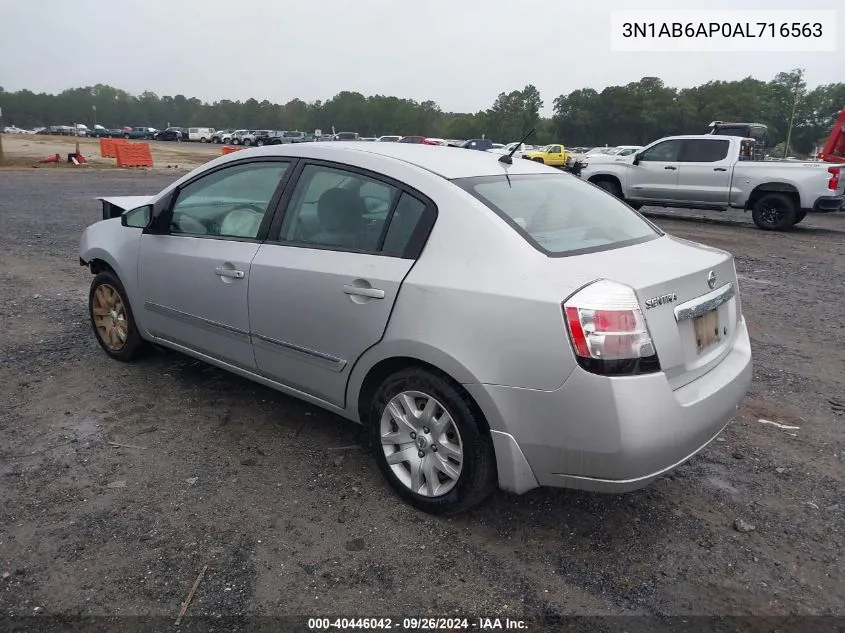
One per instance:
(254, 137)
(139, 133)
(719, 172)
(238, 136)
(578, 346)
(172, 134)
(346, 136)
(295, 136)
(221, 136)
(481, 144)
(388, 139)
(200, 134)
(99, 132)
(417, 140)
(553, 155)
(506, 149)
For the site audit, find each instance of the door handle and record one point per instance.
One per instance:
(670, 167)
(720, 169)
(228, 272)
(372, 293)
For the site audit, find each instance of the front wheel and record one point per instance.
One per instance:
(610, 186)
(431, 442)
(538, 160)
(774, 212)
(112, 319)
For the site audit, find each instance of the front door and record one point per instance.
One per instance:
(322, 293)
(194, 280)
(656, 175)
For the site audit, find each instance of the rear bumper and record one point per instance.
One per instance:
(829, 204)
(612, 434)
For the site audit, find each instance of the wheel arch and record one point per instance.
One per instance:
(785, 188)
(370, 372)
(595, 179)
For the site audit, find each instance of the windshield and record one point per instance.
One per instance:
(560, 214)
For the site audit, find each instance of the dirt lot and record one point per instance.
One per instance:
(26, 150)
(221, 472)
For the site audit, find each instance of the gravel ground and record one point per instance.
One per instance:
(217, 471)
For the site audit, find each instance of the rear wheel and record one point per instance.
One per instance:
(799, 216)
(774, 212)
(431, 443)
(112, 319)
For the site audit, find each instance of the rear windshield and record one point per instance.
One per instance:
(560, 214)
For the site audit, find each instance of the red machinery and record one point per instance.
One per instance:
(834, 148)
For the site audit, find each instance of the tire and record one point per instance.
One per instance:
(107, 330)
(774, 212)
(215, 140)
(465, 435)
(610, 186)
(235, 141)
(126, 136)
(247, 142)
(799, 216)
(539, 160)
(259, 143)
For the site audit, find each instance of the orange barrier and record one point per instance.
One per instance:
(134, 155)
(228, 149)
(108, 145)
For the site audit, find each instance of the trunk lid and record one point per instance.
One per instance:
(682, 309)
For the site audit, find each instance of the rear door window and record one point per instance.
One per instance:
(705, 150)
(561, 215)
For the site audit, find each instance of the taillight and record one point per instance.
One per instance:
(608, 331)
(833, 183)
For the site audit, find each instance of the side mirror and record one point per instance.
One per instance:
(137, 218)
(637, 158)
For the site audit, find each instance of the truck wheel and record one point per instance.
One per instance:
(610, 186)
(799, 216)
(774, 212)
(538, 160)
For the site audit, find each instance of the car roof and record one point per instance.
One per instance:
(448, 162)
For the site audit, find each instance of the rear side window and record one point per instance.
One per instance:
(559, 214)
(705, 150)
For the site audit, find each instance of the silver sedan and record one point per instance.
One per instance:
(492, 322)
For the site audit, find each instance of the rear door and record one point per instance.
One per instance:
(705, 173)
(656, 175)
(322, 290)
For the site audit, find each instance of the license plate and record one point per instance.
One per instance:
(706, 329)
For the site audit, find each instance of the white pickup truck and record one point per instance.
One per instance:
(718, 172)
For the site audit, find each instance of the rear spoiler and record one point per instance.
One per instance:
(116, 206)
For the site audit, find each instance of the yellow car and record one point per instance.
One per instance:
(554, 155)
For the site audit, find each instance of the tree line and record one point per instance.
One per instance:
(634, 114)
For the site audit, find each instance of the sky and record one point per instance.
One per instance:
(458, 53)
